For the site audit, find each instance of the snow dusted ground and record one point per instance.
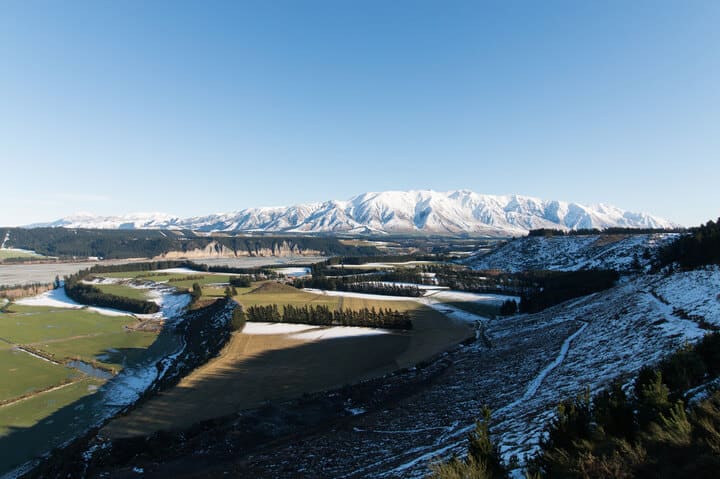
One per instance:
(294, 272)
(338, 332)
(359, 295)
(56, 298)
(451, 295)
(696, 292)
(275, 328)
(189, 271)
(308, 331)
(531, 363)
(171, 304)
(570, 253)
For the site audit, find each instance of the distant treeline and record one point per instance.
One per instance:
(27, 286)
(17, 291)
(242, 281)
(701, 246)
(323, 316)
(357, 284)
(607, 231)
(355, 259)
(124, 243)
(261, 273)
(23, 259)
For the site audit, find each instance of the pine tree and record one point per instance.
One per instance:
(196, 292)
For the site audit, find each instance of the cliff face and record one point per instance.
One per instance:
(217, 250)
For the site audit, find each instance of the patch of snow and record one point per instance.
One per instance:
(454, 296)
(309, 332)
(56, 298)
(187, 271)
(335, 332)
(293, 272)
(349, 294)
(275, 328)
(696, 292)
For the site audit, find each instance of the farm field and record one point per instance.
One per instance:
(177, 280)
(282, 294)
(255, 368)
(28, 412)
(15, 253)
(22, 373)
(123, 290)
(33, 387)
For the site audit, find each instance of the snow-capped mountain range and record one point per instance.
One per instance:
(424, 211)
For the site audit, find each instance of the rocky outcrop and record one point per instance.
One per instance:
(218, 250)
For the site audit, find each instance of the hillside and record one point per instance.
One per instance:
(522, 367)
(623, 253)
(453, 212)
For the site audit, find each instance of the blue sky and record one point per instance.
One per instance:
(198, 107)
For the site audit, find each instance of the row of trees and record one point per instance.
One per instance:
(358, 285)
(546, 232)
(508, 308)
(92, 296)
(321, 315)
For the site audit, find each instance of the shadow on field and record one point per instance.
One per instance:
(251, 371)
(241, 383)
(238, 380)
(22, 444)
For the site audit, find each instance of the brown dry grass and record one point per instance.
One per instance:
(253, 369)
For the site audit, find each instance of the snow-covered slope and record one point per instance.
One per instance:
(525, 367)
(571, 253)
(129, 221)
(425, 211)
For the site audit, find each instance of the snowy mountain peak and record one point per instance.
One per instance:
(415, 211)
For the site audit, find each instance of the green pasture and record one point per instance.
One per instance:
(72, 333)
(30, 411)
(31, 325)
(123, 290)
(176, 280)
(113, 350)
(11, 254)
(21, 373)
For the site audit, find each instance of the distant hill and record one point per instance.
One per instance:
(392, 212)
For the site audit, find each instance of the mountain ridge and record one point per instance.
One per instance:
(391, 212)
